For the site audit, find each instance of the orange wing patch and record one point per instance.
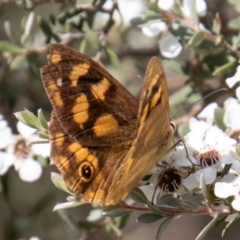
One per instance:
(100, 89)
(78, 71)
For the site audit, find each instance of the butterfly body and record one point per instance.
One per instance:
(102, 140)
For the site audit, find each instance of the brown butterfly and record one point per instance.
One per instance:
(102, 140)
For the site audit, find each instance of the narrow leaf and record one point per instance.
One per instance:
(28, 119)
(42, 119)
(162, 228)
(58, 181)
(234, 216)
(10, 47)
(196, 39)
(149, 218)
(115, 211)
(137, 195)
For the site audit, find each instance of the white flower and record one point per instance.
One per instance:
(6, 161)
(30, 170)
(169, 45)
(208, 112)
(227, 189)
(204, 137)
(236, 203)
(232, 114)
(231, 81)
(193, 180)
(165, 5)
(200, 5)
(29, 134)
(5, 134)
(238, 93)
(131, 9)
(154, 28)
(34, 238)
(210, 146)
(25, 130)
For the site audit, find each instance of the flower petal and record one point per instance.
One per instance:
(165, 5)
(236, 203)
(6, 161)
(224, 190)
(30, 170)
(169, 46)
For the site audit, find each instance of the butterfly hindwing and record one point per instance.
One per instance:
(72, 159)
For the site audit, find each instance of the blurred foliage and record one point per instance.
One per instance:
(210, 54)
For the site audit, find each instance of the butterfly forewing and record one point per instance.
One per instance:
(154, 134)
(91, 106)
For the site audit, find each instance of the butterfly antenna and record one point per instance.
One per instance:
(188, 105)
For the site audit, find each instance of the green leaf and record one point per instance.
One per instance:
(115, 211)
(173, 65)
(58, 181)
(188, 205)
(42, 119)
(28, 119)
(19, 62)
(233, 218)
(180, 96)
(85, 225)
(183, 129)
(153, 6)
(234, 23)
(93, 40)
(10, 47)
(231, 62)
(121, 221)
(177, 9)
(83, 45)
(218, 118)
(236, 4)
(44, 26)
(138, 21)
(180, 31)
(169, 201)
(162, 228)
(216, 27)
(154, 209)
(149, 218)
(137, 195)
(111, 55)
(226, 169)
(8, 30)
(216, 220)
(43, 134)
(196, 39)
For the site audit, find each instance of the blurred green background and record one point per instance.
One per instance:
(26, 208)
